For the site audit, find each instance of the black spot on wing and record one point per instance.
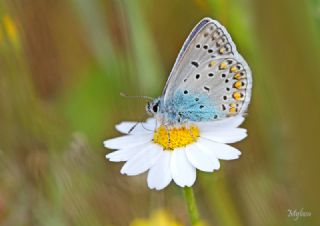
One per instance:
(195, 63)
(206, 88)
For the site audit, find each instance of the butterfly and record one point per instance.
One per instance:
(209, 81)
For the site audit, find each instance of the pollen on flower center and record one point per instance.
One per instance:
(171, 138)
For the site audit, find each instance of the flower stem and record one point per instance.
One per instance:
(192, 205)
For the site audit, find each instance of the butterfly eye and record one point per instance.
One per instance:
(155, 108)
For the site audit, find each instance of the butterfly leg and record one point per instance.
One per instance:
(168, 132)
(155, 127)
(188, 126)
(133, 127)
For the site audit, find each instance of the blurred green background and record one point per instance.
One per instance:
(63, 64)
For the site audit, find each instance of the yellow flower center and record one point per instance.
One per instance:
(171, 138)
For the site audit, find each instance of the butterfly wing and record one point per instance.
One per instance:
(209, 66)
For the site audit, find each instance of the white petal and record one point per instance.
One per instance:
(226, 135)
(159, 175)
(127, 141)
(201, 159)
(231, 122)
(183, 173)
(137, 127)
(221, 151)
(143, 160)
(125, 154)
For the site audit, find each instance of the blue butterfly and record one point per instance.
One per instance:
(209, 81)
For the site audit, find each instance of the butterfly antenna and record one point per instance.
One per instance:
(139, 97)
(133, 127)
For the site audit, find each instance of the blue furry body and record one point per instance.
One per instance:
(183, 107)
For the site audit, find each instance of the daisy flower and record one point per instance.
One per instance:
(174, 153)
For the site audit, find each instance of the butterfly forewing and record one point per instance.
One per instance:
(209, 65)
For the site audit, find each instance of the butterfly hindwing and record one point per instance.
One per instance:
(209, 67)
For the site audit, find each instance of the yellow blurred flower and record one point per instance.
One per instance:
(158, 218)
(10, 29)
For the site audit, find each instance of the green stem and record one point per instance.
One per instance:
(192, 205)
